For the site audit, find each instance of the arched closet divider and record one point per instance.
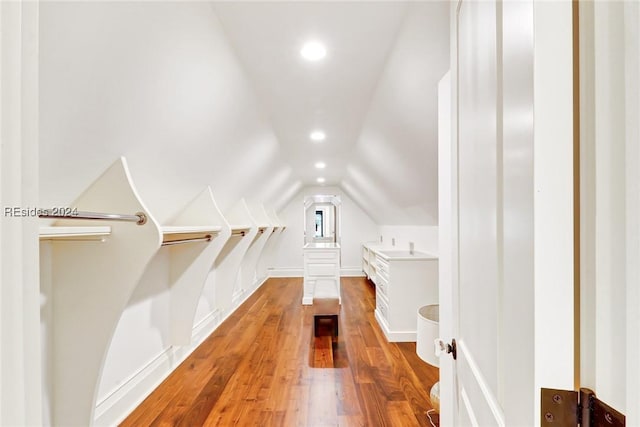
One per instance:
(248, 279)
(191, 259)
(89, 270)
(267, 257)
(227, 264)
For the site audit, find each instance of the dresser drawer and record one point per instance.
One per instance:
(320, 256)
(322, 269)
(382, 286)
(382, 306)
(382, 268)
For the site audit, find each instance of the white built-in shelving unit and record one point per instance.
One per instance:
(90, 269)
(74, 233)
(250, 278)
(194, 238)
(265, 261)
(88, 273)
(227, 265)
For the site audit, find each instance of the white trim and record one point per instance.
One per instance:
(491, 400)
(553, 364)
(121, 401)
(307, 300)
(237, 297)
(21, 385)
(351, 272)
(632, 203)
(468, 407)
(394, 336)
(299, 272)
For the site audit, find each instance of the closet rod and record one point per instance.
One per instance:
(139, 218)
(206, 238)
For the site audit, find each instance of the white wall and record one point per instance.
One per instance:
(357, 227)
(424, 237)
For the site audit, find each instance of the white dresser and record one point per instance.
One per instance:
(404, 282)
(321, 271)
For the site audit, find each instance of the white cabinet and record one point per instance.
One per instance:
(368, 258)
(321, 271)
(404, 283)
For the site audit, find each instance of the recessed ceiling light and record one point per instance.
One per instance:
(321, 165)
(317, 135)
(313, 51)
(320, 180)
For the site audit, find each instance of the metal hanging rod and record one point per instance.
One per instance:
(139, 218)
(206, 238)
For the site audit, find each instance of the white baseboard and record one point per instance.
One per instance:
(237, 297)
(395, 336)
(351, 272)
(117, 405)
(299, 272)
(286, 272)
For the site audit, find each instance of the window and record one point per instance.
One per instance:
(319, 224)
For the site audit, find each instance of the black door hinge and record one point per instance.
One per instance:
(565, 408)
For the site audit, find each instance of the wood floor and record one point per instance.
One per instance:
(263, 367)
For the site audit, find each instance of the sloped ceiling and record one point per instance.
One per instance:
(375, 94)
(158, 83)
(196, 94)
(394, 167)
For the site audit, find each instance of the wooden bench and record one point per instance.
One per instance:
(326, 309)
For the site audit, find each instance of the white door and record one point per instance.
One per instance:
(512, 298)
(480, 221)
(481, 303)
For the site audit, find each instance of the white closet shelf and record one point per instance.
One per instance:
(239, 229)
(74, 233)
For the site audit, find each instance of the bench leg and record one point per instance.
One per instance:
(332, 317)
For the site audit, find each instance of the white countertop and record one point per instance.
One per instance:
(403, 255)
(324, 245)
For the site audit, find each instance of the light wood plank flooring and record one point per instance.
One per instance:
(264, 367)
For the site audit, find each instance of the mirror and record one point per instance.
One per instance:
(322, 219)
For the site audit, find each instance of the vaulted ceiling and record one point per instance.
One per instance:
(197, 94)
(374, 94)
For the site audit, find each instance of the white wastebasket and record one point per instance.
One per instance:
(428, 319)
